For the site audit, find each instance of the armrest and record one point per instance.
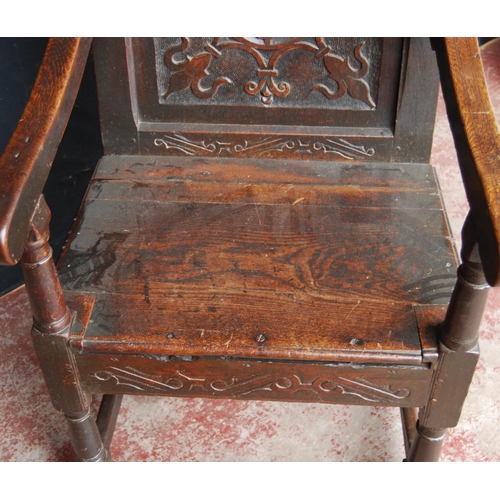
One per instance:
(26, 162)
(477, 142)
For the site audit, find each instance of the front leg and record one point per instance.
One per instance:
(51, 328)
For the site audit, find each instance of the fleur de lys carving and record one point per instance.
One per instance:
(348, 79)
(266, 53)
(189, 72)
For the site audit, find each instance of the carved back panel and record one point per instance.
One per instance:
(322, 98)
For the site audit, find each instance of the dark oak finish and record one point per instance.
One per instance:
(26, 161)
(246, 255)
(368, 120)
(477, 141)
(409, 418)
(107, 416)
(264, 225)
(51, 330)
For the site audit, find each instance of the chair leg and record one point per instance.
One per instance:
(409, 417)
(107, 416)
(421, 444)
(51, 329)
(459, 351)
(86, 439)
(426, 445)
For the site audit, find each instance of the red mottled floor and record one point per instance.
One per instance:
(162, 429)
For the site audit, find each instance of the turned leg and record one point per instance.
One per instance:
(459, 352)
(86, 439)
(51, 325)
(427, 444)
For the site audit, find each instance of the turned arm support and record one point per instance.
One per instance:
(26, 162)
(477, 141)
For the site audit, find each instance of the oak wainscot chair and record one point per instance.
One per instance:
(264, 224)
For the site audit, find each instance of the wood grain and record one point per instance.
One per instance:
(25, 164)
(477, 141)
(190, 274)
(310, 382)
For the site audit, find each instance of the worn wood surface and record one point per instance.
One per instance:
(342, 383)
(427, 318)
(26, 161)
(192, 376)
(236, 262)
(450, 386)
(191, 266)
(477, 141)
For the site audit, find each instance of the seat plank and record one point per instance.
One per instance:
(191, 273)
(266, 171)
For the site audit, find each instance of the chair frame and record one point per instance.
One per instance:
(24, 236)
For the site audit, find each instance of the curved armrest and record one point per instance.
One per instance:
(477, 142)
(26, 162)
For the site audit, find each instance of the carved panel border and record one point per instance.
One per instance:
(241, 379)
(309, 92)
(289, 145)
(262, 382)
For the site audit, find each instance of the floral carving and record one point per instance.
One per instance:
(348, 79)
(189, 72)
(266, 52)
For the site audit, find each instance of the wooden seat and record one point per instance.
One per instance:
(219, 263)
(297, 250)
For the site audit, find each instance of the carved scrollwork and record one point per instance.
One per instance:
(188, 70)
(293, 145)
(324, 388)
(140, 381)
(192, 148)
(371, 392)
(343, 148)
